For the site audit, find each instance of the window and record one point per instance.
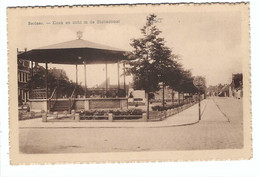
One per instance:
(27, 78)
(23, 77)
(20, 76)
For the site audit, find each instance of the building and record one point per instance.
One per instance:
(237, 85)
(225, 91)
(23, 76)
(169, 94)
(136, 96)
(234, 89)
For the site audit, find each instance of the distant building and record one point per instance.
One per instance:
(23, 76)
(234, 89)
(237, 85)
(168, 93)
(136, 95)
(225, 91)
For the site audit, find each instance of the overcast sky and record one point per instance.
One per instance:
(209, 44)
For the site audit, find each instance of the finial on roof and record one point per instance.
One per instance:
(79, 34)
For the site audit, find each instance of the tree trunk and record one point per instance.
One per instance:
(163, 96)
(178, 98)
(147, 105)
(183, 98)
(172, 97)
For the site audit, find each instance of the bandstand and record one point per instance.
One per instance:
(76, 52)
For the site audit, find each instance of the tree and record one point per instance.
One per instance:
(56, 78)
(186, 84)
(150, 59)
(237, 81)
(38, 78)
(174, 77)
(182, 81)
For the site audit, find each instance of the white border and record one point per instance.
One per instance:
(220, 168)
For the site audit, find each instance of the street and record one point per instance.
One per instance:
(221, 127)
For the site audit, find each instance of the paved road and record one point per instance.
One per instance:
(220, 128)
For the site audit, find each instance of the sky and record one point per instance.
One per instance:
(209, 44)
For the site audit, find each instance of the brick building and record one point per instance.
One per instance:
(23, 76)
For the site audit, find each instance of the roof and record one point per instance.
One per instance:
(80, 43)
(225, 88)
(75, 52)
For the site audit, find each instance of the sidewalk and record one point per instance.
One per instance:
(186, 117)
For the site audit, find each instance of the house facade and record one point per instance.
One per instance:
(23, 76)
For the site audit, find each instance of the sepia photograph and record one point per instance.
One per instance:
(129, 83)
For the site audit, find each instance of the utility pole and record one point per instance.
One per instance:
(199, 82)
(199, 107)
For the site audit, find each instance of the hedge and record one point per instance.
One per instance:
(166, 107)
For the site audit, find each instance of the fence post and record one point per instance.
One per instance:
(175, 111)
(160, 115)
(65, 113)
(144, 117)
(73, 113)
(77, 118)
(56, 115)
(20, 115)
(168, 113)
(172, 111)
(44, 117)
(32, 114)
(110, 117)
(164, 114)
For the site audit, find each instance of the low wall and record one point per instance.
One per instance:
(104, 103)
(38, 104)
(75, 117)
(101, 103)
(79, 104)
(124, 103)
(85, 103)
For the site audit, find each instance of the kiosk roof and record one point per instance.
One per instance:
(75, 52)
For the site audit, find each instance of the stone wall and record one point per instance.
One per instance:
(79, 105)
(99, 104)
(38, 105)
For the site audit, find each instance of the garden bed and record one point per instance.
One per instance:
(167, 107)
(127, 117)
(65, 118)
(136, 104)
(29, 115)
(130, 114)
(159, 113)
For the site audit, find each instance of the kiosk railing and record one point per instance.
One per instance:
(72, 99)
(53, 98)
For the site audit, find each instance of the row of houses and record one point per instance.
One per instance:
(23, 76)
(234, 89)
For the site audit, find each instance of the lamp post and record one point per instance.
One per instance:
(199, 83)
(85, 78)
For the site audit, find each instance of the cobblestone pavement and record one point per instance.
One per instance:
(220, 128)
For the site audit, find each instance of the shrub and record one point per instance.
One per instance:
(166, 107)
(135, 112)
(113, 111)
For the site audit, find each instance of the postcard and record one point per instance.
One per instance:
(129, 83)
